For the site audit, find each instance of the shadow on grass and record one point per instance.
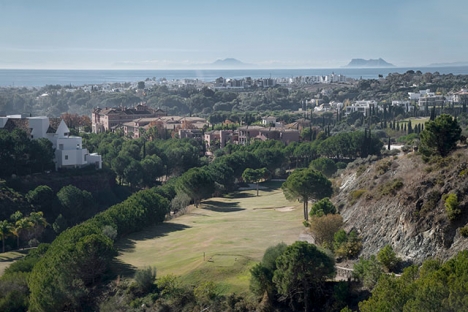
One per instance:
(8, 256)
(127, 244)
(117, 267)
(272, 185)
(221, 206)
(240, 194)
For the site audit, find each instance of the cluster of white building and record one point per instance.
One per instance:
(227, 83)
(69, 151)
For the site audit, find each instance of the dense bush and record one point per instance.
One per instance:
(322, 207)
(346, 245)
(388, 258)
(368, 271)
(145, 278)
(324, 165)
(78, 257)
(432, 287)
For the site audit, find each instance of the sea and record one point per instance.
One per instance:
(40, 77)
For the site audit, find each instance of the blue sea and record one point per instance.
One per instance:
(40, 78)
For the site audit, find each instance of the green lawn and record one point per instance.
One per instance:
(220, 241)
(8, 258)
(415, 121)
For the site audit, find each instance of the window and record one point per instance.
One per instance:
(66, 157)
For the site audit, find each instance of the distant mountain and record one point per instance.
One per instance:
(229, 63)
(360, 63)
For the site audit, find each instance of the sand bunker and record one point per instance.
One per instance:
(285, 209)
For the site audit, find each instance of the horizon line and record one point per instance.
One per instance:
(233, 68)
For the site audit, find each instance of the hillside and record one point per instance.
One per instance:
(399, 201)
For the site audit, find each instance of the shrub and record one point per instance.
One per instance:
(368, 271)
(360, 170)
(464, 231)
(60, 224)
(14, 292)
(383, 166)
(347, 245)
(430, 201)
(205, 293)
(324, 228)
(341, 165)
(322, 207)
(391, 188)
(452, 206)
(110, 232)
(355, 195)
(33, 243)
(145, 278)
(388, 258)
(168, 285)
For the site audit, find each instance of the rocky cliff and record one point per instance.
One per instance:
(400, 201)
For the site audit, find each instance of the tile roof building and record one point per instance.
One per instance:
(105, 119)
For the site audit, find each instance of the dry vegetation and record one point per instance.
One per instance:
(401, 201)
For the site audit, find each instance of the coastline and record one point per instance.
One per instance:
(80, 77)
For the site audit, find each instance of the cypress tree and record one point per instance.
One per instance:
(433, 114)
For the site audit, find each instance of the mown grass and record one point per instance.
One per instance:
(218, 242)
(415, 121)
(8, 258)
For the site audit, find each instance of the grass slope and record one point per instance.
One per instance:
(9, 257)
(218, 242)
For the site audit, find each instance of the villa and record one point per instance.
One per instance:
(69, 152)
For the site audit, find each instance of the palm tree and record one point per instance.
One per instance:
(19, 223)
(5, 230)
(18, 227)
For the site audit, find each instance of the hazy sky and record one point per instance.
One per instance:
(296, 33)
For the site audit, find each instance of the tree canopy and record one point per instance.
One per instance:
(440, 136)
(301, 272)
(254, 175)
(197, 184)
(306, 184)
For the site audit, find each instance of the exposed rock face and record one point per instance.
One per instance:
(400, 202)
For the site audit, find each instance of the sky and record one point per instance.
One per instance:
(154, 34)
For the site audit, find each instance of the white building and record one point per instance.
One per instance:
(417, 95)
(405, 104)
(360, 106)
(268, 120)
(69, 151)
